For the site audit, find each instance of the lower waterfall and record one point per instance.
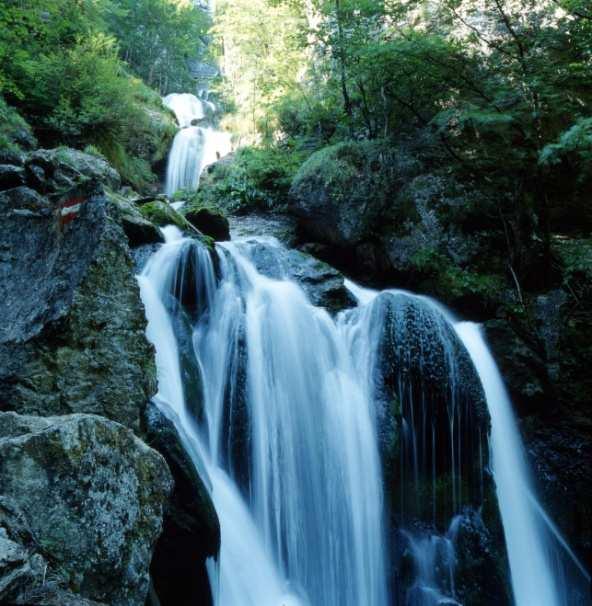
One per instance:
(288, 412)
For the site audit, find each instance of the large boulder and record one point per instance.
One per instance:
(82, 507)
(390, 212)
(429, 400)
(56, 170)
(139, 230)
(72, 337)
(191, 531)
(210, 221)
(341, 192)
(323, 284)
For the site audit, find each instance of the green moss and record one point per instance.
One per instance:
(452, 282)
(161, 213)
(133, 169)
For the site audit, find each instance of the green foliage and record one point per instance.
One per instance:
(60, 66)
(576, 140)
(14, 130)
(262, 54)
(159, 39)
(503, 88)
(254, 177)
(453, 282)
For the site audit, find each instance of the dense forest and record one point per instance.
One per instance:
(295, 302)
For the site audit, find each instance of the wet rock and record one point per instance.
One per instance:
(482, 574)
(427, 391)
(191, 531)
(141, 254)
(11, 176)
(210, 222)
(90, 498)
(324, 285)
(56, 170)
(137, 228)
(278, 225)
(72, 337)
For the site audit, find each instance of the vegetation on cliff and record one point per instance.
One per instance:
(77, 72)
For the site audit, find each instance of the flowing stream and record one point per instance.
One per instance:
(286, 429)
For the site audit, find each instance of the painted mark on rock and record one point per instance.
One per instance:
(70, 209)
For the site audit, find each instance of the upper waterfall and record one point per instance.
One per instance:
(196, 146)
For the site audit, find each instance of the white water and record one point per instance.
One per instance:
(194, 147)
(535, 547)
(306, 526)
(533, 574)
(288, 445)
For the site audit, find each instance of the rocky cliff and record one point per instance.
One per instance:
(84, 501)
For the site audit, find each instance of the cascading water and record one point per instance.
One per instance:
(295, 410)
(195, 146)
(538, 575)
(286, 435)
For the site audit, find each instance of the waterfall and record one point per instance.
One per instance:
(284, 433)
(536, 578)
(288, 412)
(195, 146)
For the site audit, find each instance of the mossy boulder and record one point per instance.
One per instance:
(210, 221)
(137, 228)
(250, 179)
(341, 191)
(92, 495)
(161, 213)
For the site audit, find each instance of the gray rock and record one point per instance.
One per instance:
(323, 284)
(90, 498)
(55, 170)
(279, 225)
(137, 228)
(191, 529)
(72, 337)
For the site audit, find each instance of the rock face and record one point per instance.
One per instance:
(324, 285)
(385, 214)
(83, 505)
(425, 384)
(191, 529)
(72, 339)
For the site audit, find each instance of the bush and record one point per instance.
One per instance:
(253, 178)
(15, 133)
